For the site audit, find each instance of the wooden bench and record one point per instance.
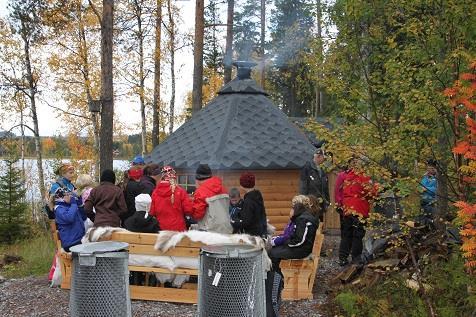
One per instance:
(299, 275)
(65, 258)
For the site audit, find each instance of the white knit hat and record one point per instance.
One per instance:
(143, 202)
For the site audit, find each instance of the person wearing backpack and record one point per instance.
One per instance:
(211, 202)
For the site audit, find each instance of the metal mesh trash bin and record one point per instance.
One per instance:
(100, 280)
(231, 282)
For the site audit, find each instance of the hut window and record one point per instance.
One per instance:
(187, 182)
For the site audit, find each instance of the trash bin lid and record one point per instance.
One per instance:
(99, 247)
(230, 250)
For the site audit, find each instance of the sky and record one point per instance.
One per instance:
(128, 110)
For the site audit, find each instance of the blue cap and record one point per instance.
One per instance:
(138, 160)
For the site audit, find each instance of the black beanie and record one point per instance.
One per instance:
(203, 172)
(108, 176)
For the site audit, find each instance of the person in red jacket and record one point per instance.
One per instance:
(354, 191)
(207, 186)
(170, 202)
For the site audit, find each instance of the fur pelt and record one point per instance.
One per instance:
(169, 239)
(95, 234)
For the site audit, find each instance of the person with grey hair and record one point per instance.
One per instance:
(236, 205)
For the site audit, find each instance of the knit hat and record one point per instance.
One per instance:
(108, 176)
(167, 173)
(138, 160)
(143, 202)
(247, 180)
(203, 172)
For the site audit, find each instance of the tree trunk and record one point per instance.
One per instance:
(157, 61)
(140, 37)
(107, 93)
(319, 94)
(172, 65)
(198, 57)
(229, 41)
(87, 88)
(94, 119)
(36, 131)
(442, 209)
(22, 129)
(263, 33)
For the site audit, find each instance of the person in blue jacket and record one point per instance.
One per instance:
(429, 187)
(65, 174)
(70, 217)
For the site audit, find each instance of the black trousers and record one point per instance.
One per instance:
(283, 252)
(352, 233)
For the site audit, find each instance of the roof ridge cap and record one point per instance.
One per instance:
(229, 115)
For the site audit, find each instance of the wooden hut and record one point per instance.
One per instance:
(241, 130)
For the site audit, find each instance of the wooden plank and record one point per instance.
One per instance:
(289, 294)
(164, 294)
(134, 268)
(278, 212)
(277, 204)
(149, 239)
(278, 219)
(177, 251)
(278, 188)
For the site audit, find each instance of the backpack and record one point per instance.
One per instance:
(217, 216)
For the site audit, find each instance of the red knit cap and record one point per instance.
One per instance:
(247, 180)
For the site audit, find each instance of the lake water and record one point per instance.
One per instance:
(31, 171)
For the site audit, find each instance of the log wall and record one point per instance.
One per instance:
(278, 188)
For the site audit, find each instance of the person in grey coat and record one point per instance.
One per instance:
(314, 180)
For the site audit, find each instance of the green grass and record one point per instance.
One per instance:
(36, 252)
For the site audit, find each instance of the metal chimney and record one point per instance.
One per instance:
(244, 69)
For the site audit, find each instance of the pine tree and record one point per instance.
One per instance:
(291, 86)
(13, 207)
(246, 29)
(212, 51)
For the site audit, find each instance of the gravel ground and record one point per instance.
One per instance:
(31, 296)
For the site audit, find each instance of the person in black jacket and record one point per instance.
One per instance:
(300, 243)
(132, 189)
(314, 180)
(301, 230)
(148, 179)
(252, 217)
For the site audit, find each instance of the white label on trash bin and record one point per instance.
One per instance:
(216, 279)
(210, 273)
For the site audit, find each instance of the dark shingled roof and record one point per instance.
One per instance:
(240, 129)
